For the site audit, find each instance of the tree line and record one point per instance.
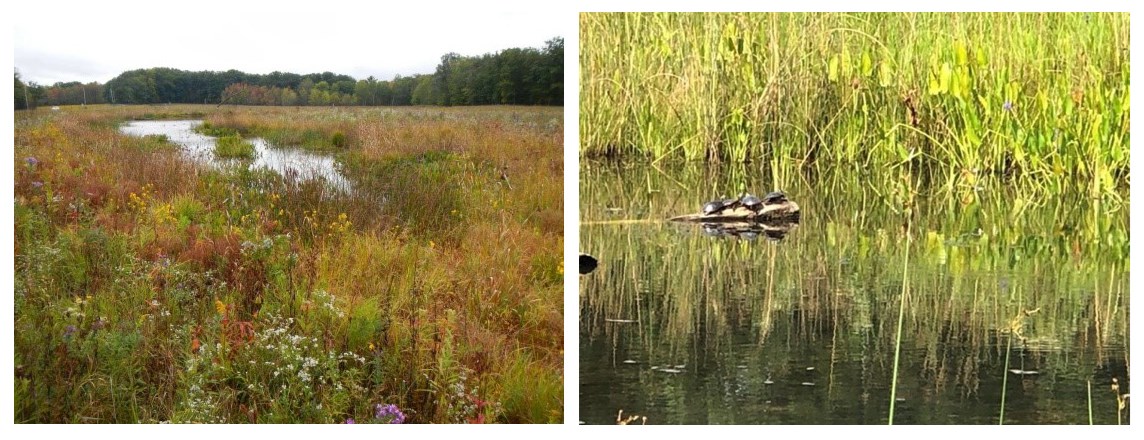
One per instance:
(517, 76)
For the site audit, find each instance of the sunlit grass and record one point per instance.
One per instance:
(1040, 99)
(149, 288)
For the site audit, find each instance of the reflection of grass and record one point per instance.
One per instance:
(837, 281)
(149, 289)
(1041, 98)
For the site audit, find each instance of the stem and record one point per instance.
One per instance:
(1005, 381)
(901, 319)
(1090, 402)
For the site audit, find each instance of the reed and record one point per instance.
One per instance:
(1040, 99)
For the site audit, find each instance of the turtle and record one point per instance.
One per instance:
(774, 197)
(751, 202)
(719, 205)
(713, 206)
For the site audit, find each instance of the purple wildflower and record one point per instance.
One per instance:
(69, 331)
(389, 414)
(350, 421)
(37, 184)
(32, 161)
(1008, 106)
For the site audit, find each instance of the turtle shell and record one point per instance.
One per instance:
(713, 206)
(774, 197)
(751, 202)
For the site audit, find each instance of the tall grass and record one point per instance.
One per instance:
(149, 288)
(1042, 99)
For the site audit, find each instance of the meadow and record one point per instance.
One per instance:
(150, 288)
(1040, 99)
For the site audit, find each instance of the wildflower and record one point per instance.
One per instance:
(69, 331)
(1008, 106)
(350, 421)
(37, 184)
(389, 414)
(32, 161)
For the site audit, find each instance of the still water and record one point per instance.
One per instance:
(1015, 305)
(290, 162)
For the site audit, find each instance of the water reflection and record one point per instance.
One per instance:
(1013, 305)
(289, 162)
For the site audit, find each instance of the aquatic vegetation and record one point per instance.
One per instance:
(983, 286)
(234, 147)
(1040, 99)
(150, 288)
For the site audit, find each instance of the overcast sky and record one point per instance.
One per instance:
(58, 40)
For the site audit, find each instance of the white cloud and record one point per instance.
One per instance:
(95, 41)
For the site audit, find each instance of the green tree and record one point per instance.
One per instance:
(20, 92)
(304, 91)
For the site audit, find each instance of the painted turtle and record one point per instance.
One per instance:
(717, 206)
(774, 197)
(713, 207)
(751, 202)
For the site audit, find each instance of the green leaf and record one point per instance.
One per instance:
(832, 71)
(946, 77)
(960, 53)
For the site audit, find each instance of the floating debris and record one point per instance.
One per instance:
(630, 361)
(808, 384)
(809, 368)
(768, 382)
(670, 370)
(620, 321)
(620, 420)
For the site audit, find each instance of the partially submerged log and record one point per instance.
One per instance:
(786, 211)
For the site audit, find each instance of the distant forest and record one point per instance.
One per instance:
(512, 76)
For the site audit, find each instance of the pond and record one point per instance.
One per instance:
(1015, 310)
(290, 162)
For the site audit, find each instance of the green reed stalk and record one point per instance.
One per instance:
(1005, 381)
(1090, 402)
(901, 321)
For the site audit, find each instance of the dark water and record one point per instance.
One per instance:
(286, 161)
(1015, 304)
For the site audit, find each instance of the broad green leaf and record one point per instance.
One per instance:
(946, 77)
(961, 53)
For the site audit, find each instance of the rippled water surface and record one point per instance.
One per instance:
(1015, 305)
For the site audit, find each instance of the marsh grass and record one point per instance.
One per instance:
(233, 147)
(1039, 99)
(149, 288)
